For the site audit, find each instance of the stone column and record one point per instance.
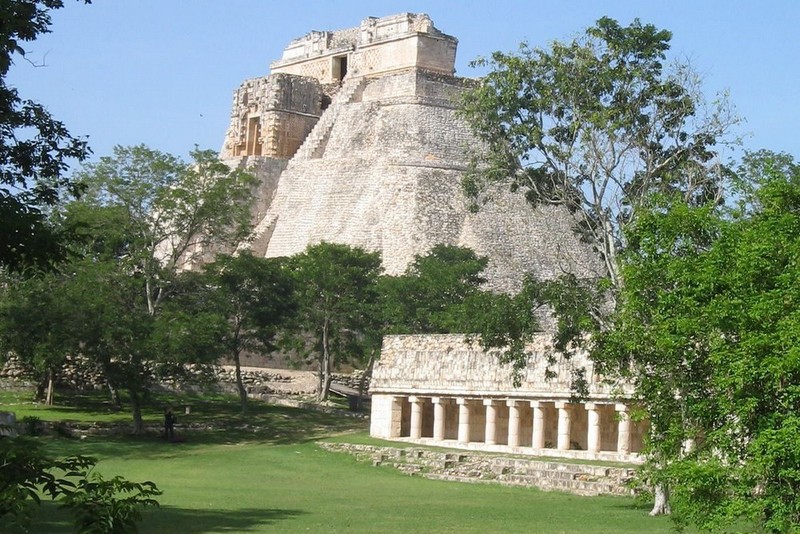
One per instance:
(537, 442)
(513, 423)
(416, 417)
(396, 417)
(623, 429)
(491, 421)
(564, 424)
(438, 418)
(593, 432)
(463, 420)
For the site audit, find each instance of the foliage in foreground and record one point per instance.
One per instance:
(595, 125)
(708, 330)
(35, 149)
(98, 505)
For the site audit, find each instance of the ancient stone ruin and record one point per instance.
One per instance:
(357, 139)
(441, 390)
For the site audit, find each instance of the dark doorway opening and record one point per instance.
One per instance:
(340, 67)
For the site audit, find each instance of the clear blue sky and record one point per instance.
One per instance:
(162, 72)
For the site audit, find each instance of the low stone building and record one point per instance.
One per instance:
(442, 390)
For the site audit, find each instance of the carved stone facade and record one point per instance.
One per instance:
(440, 390)
(377, 46)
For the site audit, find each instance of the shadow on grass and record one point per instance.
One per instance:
(53, 519)
(215, 422)
(166, 518)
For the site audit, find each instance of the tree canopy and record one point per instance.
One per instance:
(595, 124)
(707, 329)
(35, 149)
(255, 298)
(337, 306)
(430, 296)
(598, 125)
(146, 217)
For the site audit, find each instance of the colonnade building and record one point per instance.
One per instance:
(442, 390)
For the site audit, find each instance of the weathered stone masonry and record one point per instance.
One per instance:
(382, 156)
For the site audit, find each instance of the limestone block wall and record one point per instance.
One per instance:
(378, 45)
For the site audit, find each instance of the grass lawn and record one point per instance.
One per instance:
(266, 474)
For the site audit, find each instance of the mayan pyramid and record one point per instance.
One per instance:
(357, 140)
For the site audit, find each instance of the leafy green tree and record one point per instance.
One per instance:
(145, 218)
(255, 297)
(35, 149)
(427, 297)
(35, 322)
(597, 125)
(337, 305)
(179, 214)
(707, 329)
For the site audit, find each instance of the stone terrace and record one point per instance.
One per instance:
(579, 479)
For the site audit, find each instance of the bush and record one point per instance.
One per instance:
(99, 506)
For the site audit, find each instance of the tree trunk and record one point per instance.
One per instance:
(325, 367)
(661, 506)
(239, 383)
(50, 379)
(364, 376)
(136, 408)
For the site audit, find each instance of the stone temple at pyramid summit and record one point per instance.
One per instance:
(356, 137)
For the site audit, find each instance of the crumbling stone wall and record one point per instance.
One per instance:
(579, 479)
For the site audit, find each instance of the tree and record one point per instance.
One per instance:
(337, 299)
(35, 319)
(707, 329)
(34, 149)
(430, 295)
(255, 296)
(597, 125)
(146, 217)
(179, 214)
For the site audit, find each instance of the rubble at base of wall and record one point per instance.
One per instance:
(77, 374)
(548, 475)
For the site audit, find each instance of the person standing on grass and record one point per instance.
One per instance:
(169, 424)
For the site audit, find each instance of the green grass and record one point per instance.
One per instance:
(270, 476)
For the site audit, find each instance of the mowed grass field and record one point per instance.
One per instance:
(266, 473)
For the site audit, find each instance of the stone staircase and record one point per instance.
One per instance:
(314, 145)
(579, 479)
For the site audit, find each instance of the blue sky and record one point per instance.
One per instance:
(162, 72)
